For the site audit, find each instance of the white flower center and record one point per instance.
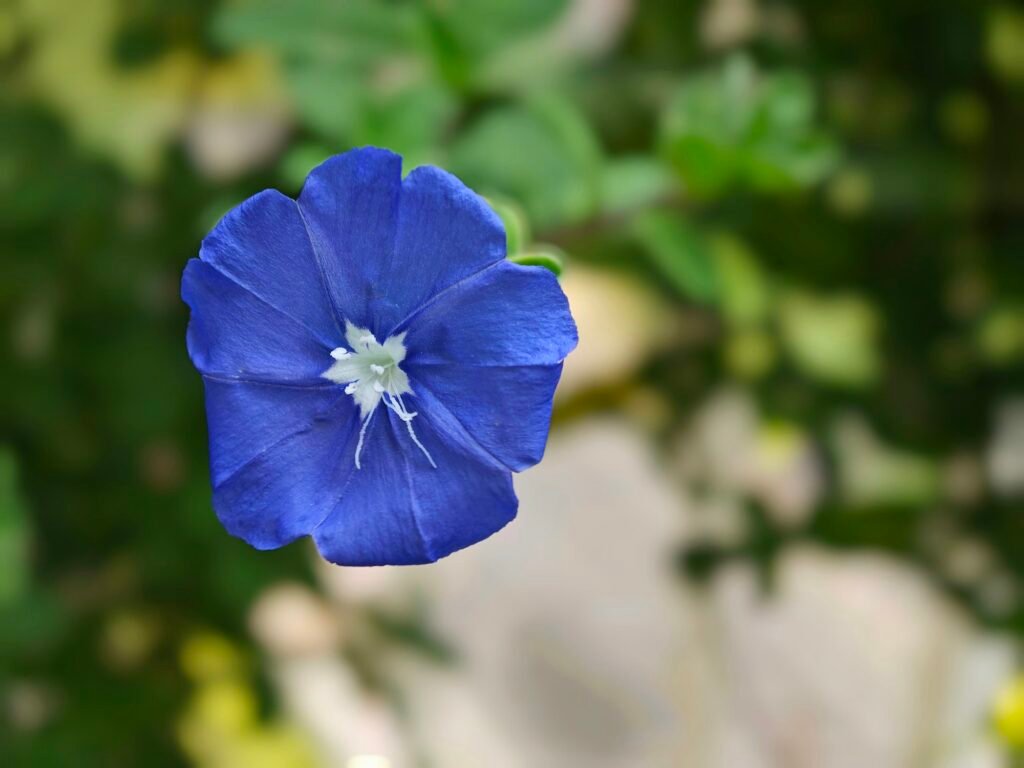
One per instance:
(371, 374)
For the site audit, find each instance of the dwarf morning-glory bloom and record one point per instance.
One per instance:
(375, 369)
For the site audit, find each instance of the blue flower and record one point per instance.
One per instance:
(375, 369)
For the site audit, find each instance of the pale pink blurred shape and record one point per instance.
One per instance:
(851, 662)
(393, 587)
(240, 119)
(730, 446)
(347, 725)
(225, 142)
(621, 323)
(577, 643)
(28, 705)
(289, 619)
(591, 27)
(1005, 457)
(569, 623)
(725, 23)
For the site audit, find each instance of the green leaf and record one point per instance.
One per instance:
(326, 96)
(543, 155)
(745, 293)
(732, 125)
(1004, 41)
(410, 121)
(872, 473)
(547, 257)
(517, 226)
(299, 161)
(352, 33)
(629, 183)
(14, 575)
(680, 253)
(832, 339)
(1000, 335)
(484, 26)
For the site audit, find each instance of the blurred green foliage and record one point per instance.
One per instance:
(832, 197)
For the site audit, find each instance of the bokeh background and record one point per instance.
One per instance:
(780, 523)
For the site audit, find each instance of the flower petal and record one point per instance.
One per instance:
(350, 206)
(506, 315)
(399, 510)
(446, 232)
(287, 489)
(245, 420)
(263, 245)
(506, 409)
(235, 334)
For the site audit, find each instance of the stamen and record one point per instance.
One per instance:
(371, 374)
(396, 405)
(362, 436)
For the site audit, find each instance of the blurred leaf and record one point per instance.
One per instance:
(299, 161)
(31, 622)
(358, 72)
(1004, 41)
(14, 573)
(28, 142)
(745, 296)
(680, 253)
(327, 97)
(544, 155)
(733, 125)
(631, 182)
(873, 474)
(1000, 335)
(214, 212)
(548, 258)
(832, 339)
(482, 27)
(354, 32)
(749, 353)
(411, 122)
(517, 226)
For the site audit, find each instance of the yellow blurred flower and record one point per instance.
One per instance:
(221, 727)
(225, 705)
(274, 746)
(207, 656)
(1008, 713)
